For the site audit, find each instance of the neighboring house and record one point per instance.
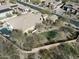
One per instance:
(71, 7)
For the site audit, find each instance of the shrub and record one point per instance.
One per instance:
(45, 54)
(46, 12)
(12, 1)
(35, 1)
(14, 57)
(3, 57)
(49, 35)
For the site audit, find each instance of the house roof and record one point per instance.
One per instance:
(24, 22)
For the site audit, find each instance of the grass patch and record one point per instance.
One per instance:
(49, 35)
(70, 49)
(45, 12)
(3, 57)
(2, 18)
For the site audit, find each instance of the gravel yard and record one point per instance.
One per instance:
(25, 21)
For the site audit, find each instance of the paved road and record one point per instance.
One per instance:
(37, 7)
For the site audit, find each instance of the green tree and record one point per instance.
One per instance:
(45, 54)
(31, 56)
(64, 1)
(14, 57)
